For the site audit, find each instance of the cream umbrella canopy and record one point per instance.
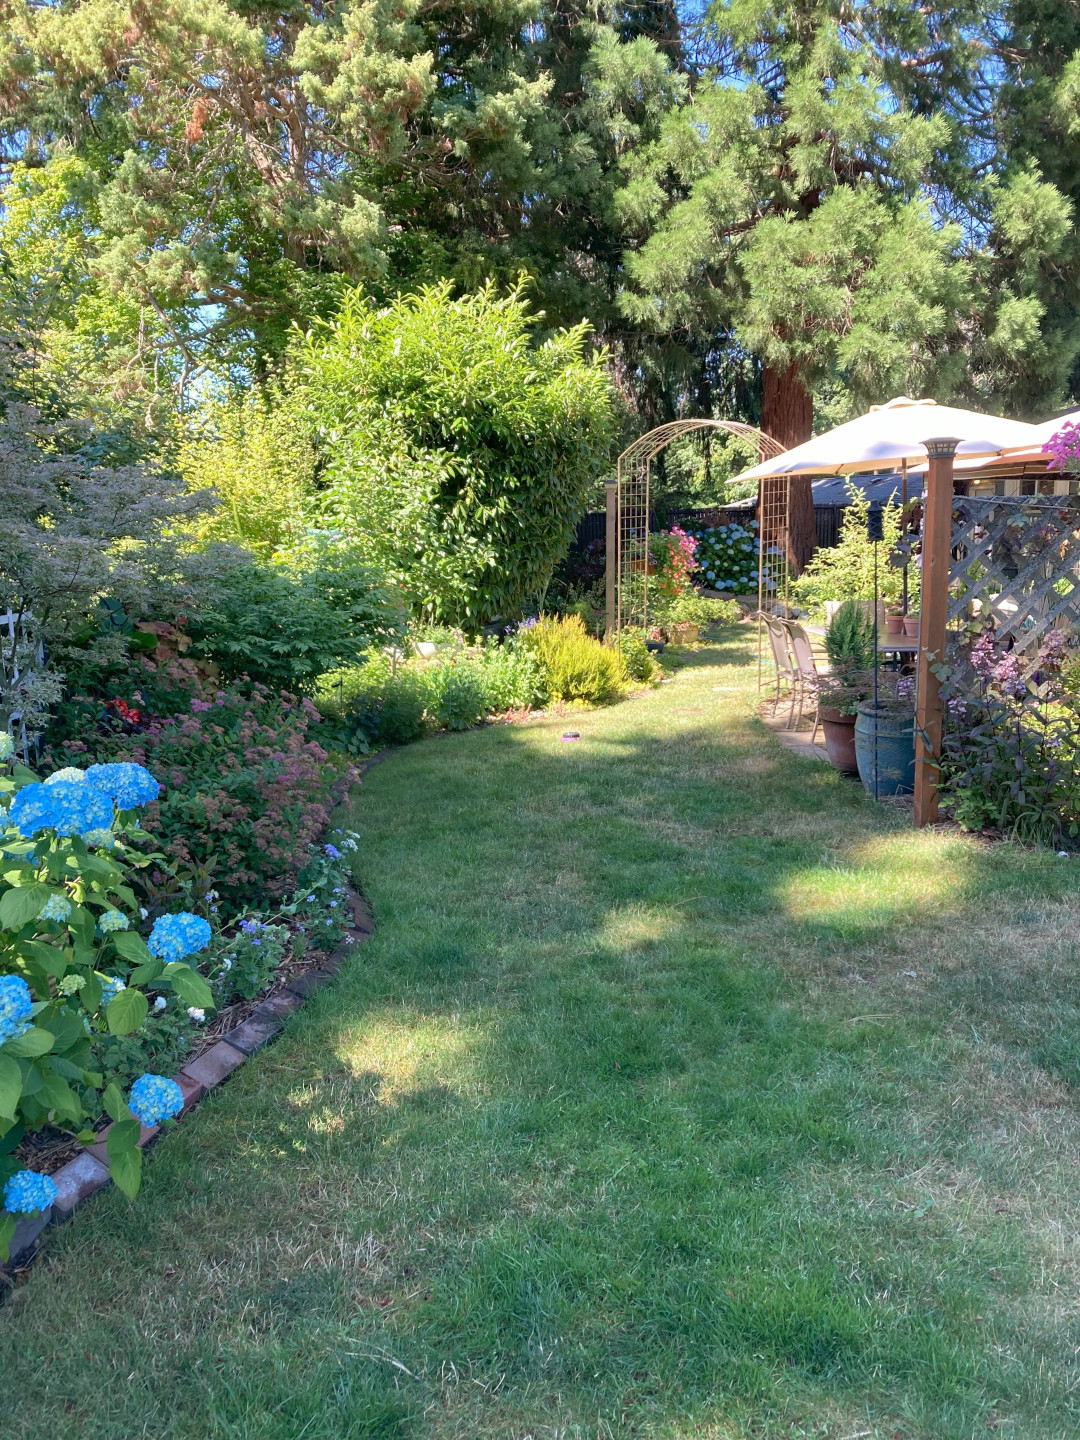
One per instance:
(897, 431)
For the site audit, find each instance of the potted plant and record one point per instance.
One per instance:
(885, 736)
(911, 625)
(839, 698)
(894, 619)
(849, 644)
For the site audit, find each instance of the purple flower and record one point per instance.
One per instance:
(1052, 650)
(957, 706)
(1007, 674)
(984, 655)
(333, 852)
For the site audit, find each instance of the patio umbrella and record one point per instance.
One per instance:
(897, 431)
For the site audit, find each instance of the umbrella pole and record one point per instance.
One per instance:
(903, 522)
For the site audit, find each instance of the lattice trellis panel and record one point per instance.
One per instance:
(1015, 559)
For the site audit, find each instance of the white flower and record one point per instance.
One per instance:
(160, 1003)
(226, 964)
(143, 911)
(196, 1014)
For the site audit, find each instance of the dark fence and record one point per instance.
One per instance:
(827, 520)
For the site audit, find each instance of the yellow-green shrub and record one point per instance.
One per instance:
(574, 665)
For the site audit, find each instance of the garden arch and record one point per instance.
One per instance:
(628, 502)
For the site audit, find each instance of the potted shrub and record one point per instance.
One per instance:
(894, 619)
(911, 625)
(885, 737)
(849, 644)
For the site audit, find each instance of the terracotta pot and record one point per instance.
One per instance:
(894, 624)
(911, 626)
(840, 740)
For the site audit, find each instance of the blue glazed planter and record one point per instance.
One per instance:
(895, 751)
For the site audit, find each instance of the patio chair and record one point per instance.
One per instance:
(786, 669)
(808, 681)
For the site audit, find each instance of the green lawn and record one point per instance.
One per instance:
(630, 1121)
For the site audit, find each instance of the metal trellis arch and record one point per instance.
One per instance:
(628, 503)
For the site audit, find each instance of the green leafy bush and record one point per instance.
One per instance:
(459, 695)
(574, 665)
(640, 665)
(284, 627)
(727, 557)
(692, 608)
(459, 445)
(846, 571)
(383, 701)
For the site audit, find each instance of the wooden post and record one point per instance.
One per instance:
(611, 556)
(934, 612)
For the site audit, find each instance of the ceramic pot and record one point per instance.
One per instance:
(888, 740)
(894, 624)
(840, 740)
(683, 634)
(911, 626)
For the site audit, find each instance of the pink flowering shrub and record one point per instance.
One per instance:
(1064, 448)
(673, 554)
(247, 789)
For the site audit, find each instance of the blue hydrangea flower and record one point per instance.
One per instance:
(16, 1003)
(28, 1192)
(69, 772)
(70, 807)
(56, 907)
(111, 920)
(126, 784)
(110, 989)
(153, 1098)
(175, 936)
(7, 745)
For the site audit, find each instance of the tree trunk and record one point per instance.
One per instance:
(787, 414)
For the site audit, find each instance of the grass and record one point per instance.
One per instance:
(681, 1093)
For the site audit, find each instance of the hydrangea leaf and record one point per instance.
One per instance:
(91, 992)
(57, 1095)
(126, 1011)
(122, 1137)
(52, 959)
(125, 1170)
(191, 988)
(133, 947)
(34, 1042)
(19, 907)
(116, 1107)
(10, 1087)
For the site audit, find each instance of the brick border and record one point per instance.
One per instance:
(88, 1172)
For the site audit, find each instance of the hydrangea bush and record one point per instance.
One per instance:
(74, 968)
(727, 557)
